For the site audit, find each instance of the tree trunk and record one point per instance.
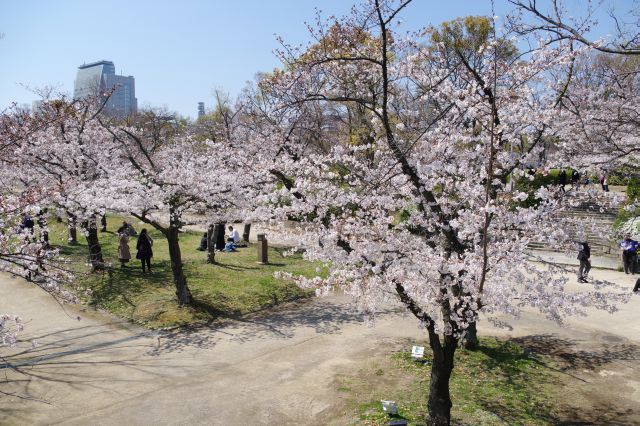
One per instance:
(211, 249)
(179, 279)
(219, 236)
(439, 398)
(73, 231)
(95, 251)
(470, 339)
(103, 223)
(42, 224)
(246, 232)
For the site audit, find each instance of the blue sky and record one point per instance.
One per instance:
(178, 52)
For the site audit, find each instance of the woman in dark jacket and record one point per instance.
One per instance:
(145, 253)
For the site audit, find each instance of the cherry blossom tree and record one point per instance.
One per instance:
(599, 97)
(600, 107)
(558, 23)
(422, 210)
(60, 157)
(23, 250)
(163, 177)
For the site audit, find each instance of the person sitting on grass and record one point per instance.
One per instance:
(229, 246)
(203, 243)
(233, 235)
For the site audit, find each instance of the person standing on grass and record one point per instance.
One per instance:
(629, 252)
(144, 248)
(584, 254)
(124, 254)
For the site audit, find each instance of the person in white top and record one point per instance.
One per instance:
(233, 234)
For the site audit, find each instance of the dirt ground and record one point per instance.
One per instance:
(281, 367)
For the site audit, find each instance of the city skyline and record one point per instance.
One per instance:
(98, 78)
(209, 47)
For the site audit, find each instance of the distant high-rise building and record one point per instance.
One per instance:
(99, 78)
(200, 109)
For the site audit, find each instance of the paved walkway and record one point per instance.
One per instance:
(277, 368)
(601, 262)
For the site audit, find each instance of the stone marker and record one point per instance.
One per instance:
(389, 407)
(262, 249)
(417, 352)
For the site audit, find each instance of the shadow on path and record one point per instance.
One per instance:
(324, 317)
(581, 362)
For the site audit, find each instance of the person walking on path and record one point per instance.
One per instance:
(562, 179)
(604, 182)
(584, 254)
(629, 254)
(144, 248)
(575, 179)
(124, 254)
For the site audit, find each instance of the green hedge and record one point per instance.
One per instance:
(633, 189)
(530, 186)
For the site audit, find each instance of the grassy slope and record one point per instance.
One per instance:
(235, 286)
(496, 385)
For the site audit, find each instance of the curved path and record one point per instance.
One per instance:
(274, 368)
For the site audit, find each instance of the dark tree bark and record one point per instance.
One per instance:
(103, 223)
(42, 224)
(470, 339)
(179, 279)
(72, 240)
(246, 232)
(95, 251)
(211, 249)
(219, 236)
(439, 397)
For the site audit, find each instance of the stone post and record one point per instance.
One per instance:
(263, 248)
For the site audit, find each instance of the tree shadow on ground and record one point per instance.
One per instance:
(564, 390)
(124, 282)
(73, 357)
(234, 267)
(323, 317)
(573, 358)
(568, 358)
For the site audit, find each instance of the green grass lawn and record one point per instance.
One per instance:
(235, 286)
(496, 385)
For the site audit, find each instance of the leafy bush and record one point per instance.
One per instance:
(633, 189)
(624, 175)
(530, 186)
(628, 219)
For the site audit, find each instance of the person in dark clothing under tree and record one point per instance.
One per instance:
(629, 252)
(575, 179)
(203, 243)
(584, 254)
(144, 247)
(562, 179)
